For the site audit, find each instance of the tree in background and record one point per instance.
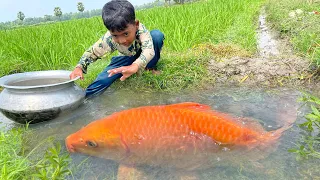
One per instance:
(59, 16)
(80, 7)
(57, 12)
(47, 17)
(179, 1)
(166, 2)
(21, 16)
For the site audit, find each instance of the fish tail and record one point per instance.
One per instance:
(287, 115)
(287, 118)
(276, 134)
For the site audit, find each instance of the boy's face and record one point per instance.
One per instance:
(127, 36)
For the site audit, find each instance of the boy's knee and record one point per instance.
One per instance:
(157, 36)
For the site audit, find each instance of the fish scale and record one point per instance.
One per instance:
(162, 133)
(171, 119)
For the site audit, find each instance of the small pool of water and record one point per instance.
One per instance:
(269, 107)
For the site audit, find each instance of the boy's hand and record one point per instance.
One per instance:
(126, 71)
(76, 72)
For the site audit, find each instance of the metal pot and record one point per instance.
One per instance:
(38, 96)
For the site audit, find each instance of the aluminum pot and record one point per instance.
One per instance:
(33, 97)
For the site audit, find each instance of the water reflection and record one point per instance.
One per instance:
(269, 107)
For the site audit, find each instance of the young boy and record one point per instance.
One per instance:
(139, 49)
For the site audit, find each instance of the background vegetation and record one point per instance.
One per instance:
(300, 21)
(60, 45)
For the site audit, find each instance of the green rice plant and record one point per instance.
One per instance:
(310, 143)
(205, 21)
(53, 46)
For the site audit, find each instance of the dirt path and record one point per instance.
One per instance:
(273, 65)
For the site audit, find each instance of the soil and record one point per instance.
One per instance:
(275, 63)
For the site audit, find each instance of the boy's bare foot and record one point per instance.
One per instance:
(154, 71)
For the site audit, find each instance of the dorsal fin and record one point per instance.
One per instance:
(189, 105)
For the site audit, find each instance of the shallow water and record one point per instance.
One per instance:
(268, 107)
(267, 44)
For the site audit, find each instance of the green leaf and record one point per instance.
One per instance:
(315, 111)
(293, 150)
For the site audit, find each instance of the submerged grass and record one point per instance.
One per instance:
(298, 20)
(60, 45)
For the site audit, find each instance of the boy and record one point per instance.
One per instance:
(139, 49)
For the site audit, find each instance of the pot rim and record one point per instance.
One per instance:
(60, 73)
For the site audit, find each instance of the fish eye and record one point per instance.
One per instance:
(92, 144)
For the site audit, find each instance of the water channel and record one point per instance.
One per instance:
(268, 107)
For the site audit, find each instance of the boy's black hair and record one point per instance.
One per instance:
(117, 14)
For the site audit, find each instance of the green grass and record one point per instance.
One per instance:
(16, 162)
(309, 146)
(303, 30)
(60, 45)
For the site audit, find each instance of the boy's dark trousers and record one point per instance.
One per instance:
(102, 82)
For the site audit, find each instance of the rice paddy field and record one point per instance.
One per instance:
(60, 45)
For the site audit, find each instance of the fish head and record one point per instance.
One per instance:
(97, 139)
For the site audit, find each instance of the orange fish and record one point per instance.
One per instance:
(158, 134)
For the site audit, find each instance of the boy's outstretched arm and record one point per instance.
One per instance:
(95, 52)
(126, 71)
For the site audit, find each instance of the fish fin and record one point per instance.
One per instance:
(124, 145)
(190, 105)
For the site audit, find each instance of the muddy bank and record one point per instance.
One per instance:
(274, 64)
(261, 71)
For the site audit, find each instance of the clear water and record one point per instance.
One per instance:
(38, 82)
(269, 107)
(267, 44)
